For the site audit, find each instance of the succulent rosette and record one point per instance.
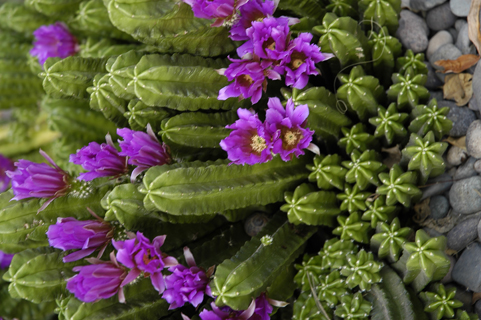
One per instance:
(142, 256)
(249, 143)
(288, 128)
(5, 164)
(53, 40)
(254, 10)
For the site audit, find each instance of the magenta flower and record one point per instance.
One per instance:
(140, 255)
(100, 160)
(5, 259)
(287, 126)
(38, 180)
(260, 309)
(254, 10)
(53, 41)
(249, 143)
(300, 63)
(99, 280)
(143, 149)
(5, 164)
(221, 10)
(88, 235)
(186, 284)
(268, 39)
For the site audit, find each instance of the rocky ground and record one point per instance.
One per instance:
(452, 206)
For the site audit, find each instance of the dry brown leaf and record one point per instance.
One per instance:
(459, 65)
(473, 24)
(459, 142)
(476, 297)
(394, 156)
(458, 87)
(450, 252)
(422, 211)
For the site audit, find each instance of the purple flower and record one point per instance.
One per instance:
(5, 164)
(268, 39)
(88, 235)
(53, 41)
(100, 160)
(254, 10)
(38, 180)
(5, 259)
(100, 280)
(300, 63)
(143, 149)
(140, 255)
(249, 143)
(249, 79)
(288, 128)
(186, 284)
(221, 10)
(260, 309)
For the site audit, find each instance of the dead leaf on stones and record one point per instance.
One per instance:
(394, 156)
(450, 252)
(476, 297)
(457, 142)
(459, 65)
(458, 87)
(473, 24)
(422, 211)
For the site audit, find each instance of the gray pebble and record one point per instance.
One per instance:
(405, 4)
(413, 31)
(454, 34)
(463, 234)
(462, 42)
(431, 232)
(449, 276)
(439, 207)
(473, 139)
(466, 170)
(440, 17)
(465, 196)
(438, 95)
(473, 104)
(476, 83)
(433, 82)
(456, 156)
(460, 116)
(466, 270)
(459, 24)
(477, 166)
(460, 7)
(424, 5)
(439, 39)
(437, 185)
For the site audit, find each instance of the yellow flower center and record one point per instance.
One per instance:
(258, 144)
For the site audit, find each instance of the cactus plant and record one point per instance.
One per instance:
(390, 239)
(389, 123)
(410, 60)
(356, 137)
(378, 211)
(352, 228)
(398, 186)
(363, 168)
(430, 118)
(327, 172)
(408, 88)
(440, 303)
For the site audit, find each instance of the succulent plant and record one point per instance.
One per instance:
(378, 211)
(361, 270)
(408, 88)
(389, 123)
(389, 239)
(352, 228)
(425, 155)
(383, 12)
(411, 60)
(311, 267)
(430, 118)
(353, 307)
(385, 50)
(440, 303)
(355, 138)
(331, 287)
(352, 198)
(308, 307)
(363, 168)
(398, 186)
(334, 252)
(464, 315)
(343, 8)
(328, 172)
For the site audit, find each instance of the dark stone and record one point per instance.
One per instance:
(462, 234)
(466, 270)
(413, 31)
(464, 195)
(437, 185)
(440, 17)
(466, 170)
(439, 207)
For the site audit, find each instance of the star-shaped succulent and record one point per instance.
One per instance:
(352, 228)
(389, 123)
(425, 155)
(431, 118)
(426, 257)
(331, 288)
(408, 88)
(353, 307)
(464, 315)
(384, 12)
(362, 93)
(385, 49)
(307, 206)
(355, 138)
(362, 270)
(333, 253)
(311, 266)
(363, 168)
(410, 60)
(343, 8)
(389, 239)
(378, 211)
(327, 171)
(440, 303)
(352, 198)
(398, 186)
(308, 307)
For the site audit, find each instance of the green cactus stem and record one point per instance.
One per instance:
(308, 307)
(352, 198)
(355, 138)
(121, 71)
(390, 239)
(331, 287)
(464, 315)
(139, 115)
(378, 211)
(385, 50)
(19, 18)
(311, 266)
(431, 118)
(105, 48)
(334, 252)
(384, 12)
(398, 186)
(410, 60)
(361, 270)
(389, 123)
(440, 303)
(408, 89)
(59, 9)
(352, 228)
(425, 155)
(327, 171)
(363, 168)
(353, 307)
(343, 8)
